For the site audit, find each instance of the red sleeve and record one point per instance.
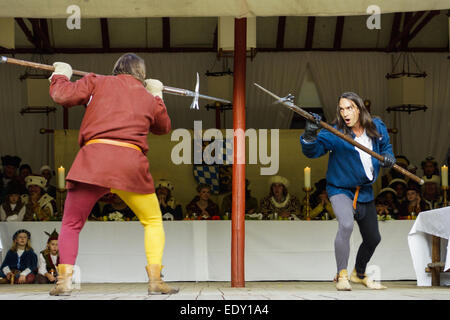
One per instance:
(67, 93)
(161, 124)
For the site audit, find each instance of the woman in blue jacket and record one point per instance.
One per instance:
(350, 175)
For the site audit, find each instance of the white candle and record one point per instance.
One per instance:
(307, 177)
(444, 174)
(61, 177)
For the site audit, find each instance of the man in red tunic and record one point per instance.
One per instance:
(121, 110)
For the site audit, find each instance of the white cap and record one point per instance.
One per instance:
(279, 179)
(36, 180)
(45, 167)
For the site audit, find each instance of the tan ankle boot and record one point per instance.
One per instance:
(342, 283)
(155, 284)
(369, 283)
(64, 284)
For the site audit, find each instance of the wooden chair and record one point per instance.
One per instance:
(436, 266)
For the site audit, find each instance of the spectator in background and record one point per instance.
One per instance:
(170, 209)
(20, 262)
(9, 173)
(24, 171)
(430, 167)
(411, 208)
(279, 203)
(431, 193)
(118, 205)
(202, 207)
(48, 260)
(387, 204)
(251, 203)
(95, 214)
(12, 209)
(392, 174)
(46, 172)
(399, 185)
(412, 168)
(321, 208)
(40, 206)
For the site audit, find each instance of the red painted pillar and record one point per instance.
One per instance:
(238, 194)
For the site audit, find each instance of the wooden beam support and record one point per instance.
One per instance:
(310, 33)
(423, 23)
(406, 27)
(166, 33)
(46, 36)
(216, 39)
(338, 32)
(395, 31)
(105, 33)
(27, 32)
(408, 22)
(40, 36)
(281, 32)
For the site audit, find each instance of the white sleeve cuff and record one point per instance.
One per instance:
(6, 270)
(307, 142)
(25, 272)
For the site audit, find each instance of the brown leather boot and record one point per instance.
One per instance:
(342, 283)
(368, 282)
(155, 284)
(64, 284)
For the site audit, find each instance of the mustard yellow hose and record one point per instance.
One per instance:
(146, 208)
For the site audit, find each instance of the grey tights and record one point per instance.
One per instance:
(366, 217)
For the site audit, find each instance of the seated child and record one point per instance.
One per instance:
(12, 209)
(20, 262)
(48, 260)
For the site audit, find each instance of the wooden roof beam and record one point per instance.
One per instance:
(105, 33)
(408, 23)
(423, 23)
(281, 32)
(338, 33)
(166, 33)
(40, 35)
(33, 40)
(395, 26)
(310, 33)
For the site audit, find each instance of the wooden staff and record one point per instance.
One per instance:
(36, 65)
(287, 102)
(166, 89)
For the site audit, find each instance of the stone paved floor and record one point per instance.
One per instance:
(299, 290)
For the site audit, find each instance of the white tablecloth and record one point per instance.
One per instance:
(430, 223)
(200, 250)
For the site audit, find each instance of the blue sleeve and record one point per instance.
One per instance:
(385, 144)
(34, 262)
(7, 261)
(320, 146)
(30, 261)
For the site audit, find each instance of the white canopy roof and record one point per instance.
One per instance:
(209, 8)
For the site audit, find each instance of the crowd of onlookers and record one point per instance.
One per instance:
(26, 196)
(402, 198)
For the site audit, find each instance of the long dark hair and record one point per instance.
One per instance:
(131, 64)
(365, 119)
